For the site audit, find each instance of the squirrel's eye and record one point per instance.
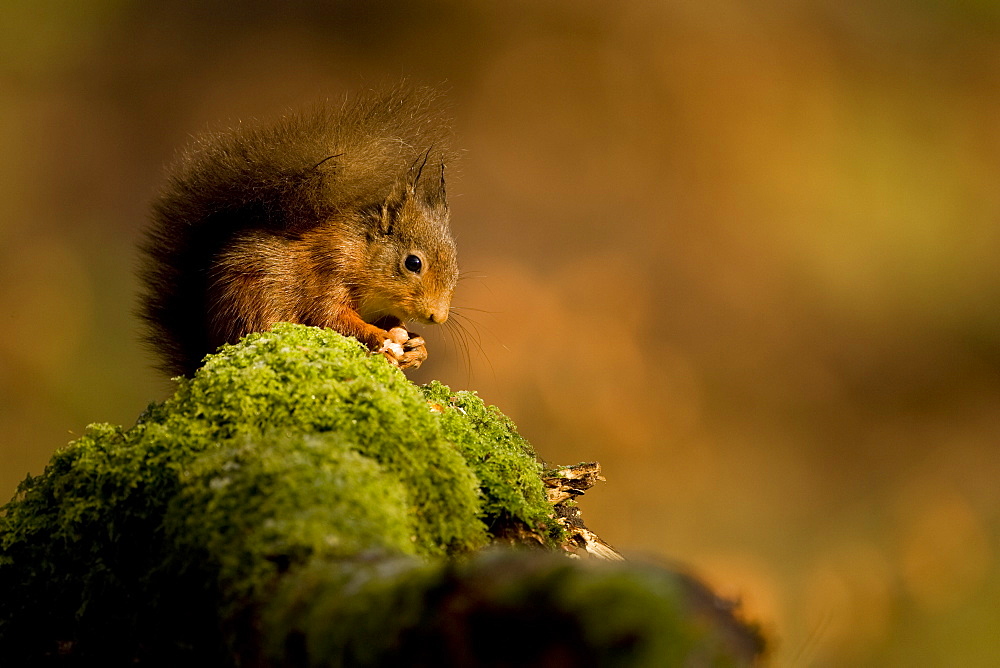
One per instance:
(413, 263)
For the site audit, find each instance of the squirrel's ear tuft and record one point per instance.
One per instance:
(418, 168)
(431, 190)
(441, 196)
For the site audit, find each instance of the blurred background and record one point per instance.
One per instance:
(742, 254)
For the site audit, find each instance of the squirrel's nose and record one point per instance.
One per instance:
(437, 310)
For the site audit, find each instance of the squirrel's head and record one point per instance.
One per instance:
(412, 253)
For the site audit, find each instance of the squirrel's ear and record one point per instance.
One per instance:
(417, 169)
(386, 218)
(389, 210)
(433, 194)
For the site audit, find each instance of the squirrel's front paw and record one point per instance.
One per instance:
(415, 352)
(404, 349)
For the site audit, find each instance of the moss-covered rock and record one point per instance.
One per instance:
(299, 502)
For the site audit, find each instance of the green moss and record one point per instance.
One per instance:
(505, 464)
(297, 499)
(307, 380)
(494, 609)
(257, 506)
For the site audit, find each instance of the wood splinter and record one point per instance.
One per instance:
(565, 484)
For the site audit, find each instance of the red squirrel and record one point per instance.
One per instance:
(336, 218)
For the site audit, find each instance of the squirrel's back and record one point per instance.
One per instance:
(283, 181)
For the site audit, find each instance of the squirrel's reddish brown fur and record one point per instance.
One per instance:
(335, 218)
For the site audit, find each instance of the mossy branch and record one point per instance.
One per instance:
(299, 502)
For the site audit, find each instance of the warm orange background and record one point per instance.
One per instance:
(742, 253)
